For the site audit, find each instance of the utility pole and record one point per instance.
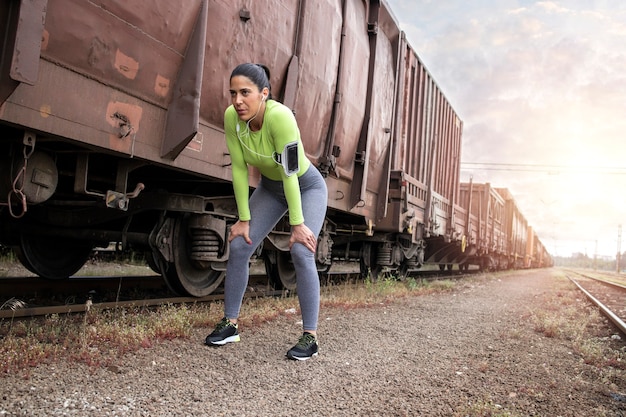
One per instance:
(619, 246)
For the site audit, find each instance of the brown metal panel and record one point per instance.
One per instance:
(25, 63)
(169, 23)
(384, 87)
(318, 54)
(262, 32)
(93, 120)
(353, 82)
(136, 47)
(374, 138)
(8, 20)
(361, 156)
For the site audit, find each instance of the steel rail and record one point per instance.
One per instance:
(605, 310)
(80, 308)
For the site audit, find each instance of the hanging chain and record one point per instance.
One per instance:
(16, 193)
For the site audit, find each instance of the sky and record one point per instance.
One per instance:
(541, 89)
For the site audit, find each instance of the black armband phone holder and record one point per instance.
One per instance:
(288, 158)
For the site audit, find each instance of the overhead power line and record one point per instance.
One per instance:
(548, 168)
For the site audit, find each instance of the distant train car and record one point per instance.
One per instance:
(516, 229)
(424, 160)
(498, 235)
(487, 212)
(537, 255)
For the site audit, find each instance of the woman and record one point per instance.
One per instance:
(260, 132)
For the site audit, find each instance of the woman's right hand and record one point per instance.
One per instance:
(241, 228)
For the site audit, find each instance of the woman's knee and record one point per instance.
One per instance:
(300, 254)
(240, 248)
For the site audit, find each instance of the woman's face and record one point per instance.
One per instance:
(246, 97)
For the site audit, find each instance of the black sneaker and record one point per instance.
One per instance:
(305, 349)
(225, 332)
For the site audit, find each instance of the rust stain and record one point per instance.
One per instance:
(125, 120)
(45, 110)
(126, 65)
(161, 85)
(45, 37)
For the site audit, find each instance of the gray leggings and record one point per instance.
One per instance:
(267, 207)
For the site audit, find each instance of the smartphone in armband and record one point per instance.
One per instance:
(288, 158)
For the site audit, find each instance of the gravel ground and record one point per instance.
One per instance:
(473, 351)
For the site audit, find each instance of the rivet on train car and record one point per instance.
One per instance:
(244, 14)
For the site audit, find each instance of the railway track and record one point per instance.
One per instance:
(19, 311)
(608, 295)
(31, 296)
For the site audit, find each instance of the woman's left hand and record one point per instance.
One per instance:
(302, 234)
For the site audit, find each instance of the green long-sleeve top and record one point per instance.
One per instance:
(257, 149)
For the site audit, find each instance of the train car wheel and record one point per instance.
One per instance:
(52, 257)
(186, 276)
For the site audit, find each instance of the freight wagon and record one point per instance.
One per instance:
(111, 130)
(536, 253)
(499, 236)
(486, 209)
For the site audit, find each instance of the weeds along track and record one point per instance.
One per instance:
(32, 296)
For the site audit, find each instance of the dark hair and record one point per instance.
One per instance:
(259, 74)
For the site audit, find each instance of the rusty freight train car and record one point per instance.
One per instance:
(516, 231)
(498, 236)
(537, 255)
(424, 169)
(486, 241)
(111, 130)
